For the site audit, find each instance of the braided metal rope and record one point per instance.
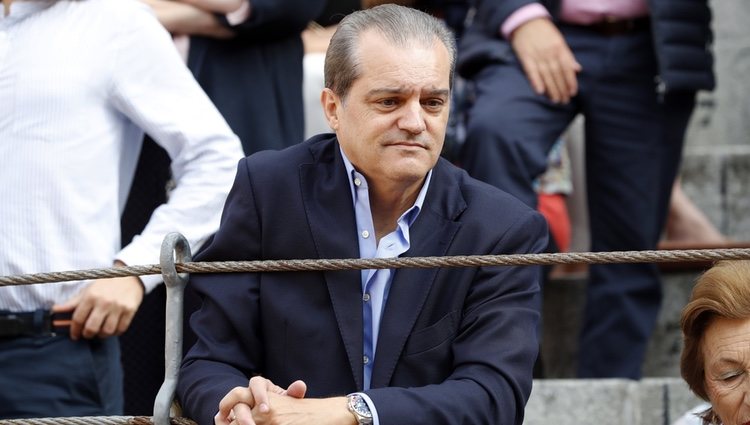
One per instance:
(614, 257)
(348, 264)
(97, 420)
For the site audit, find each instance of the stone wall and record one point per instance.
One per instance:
(722, 117)
(716, 166)
(608, 401)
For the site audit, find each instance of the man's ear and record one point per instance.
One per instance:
(330, 103)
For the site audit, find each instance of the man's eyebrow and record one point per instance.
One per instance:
(439, 92)
(397, 90)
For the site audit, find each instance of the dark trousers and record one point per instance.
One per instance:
(56, 377)
(634, 140)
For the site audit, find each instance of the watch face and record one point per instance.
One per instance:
(360, 406)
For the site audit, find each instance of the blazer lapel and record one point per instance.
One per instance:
(430, 235)
(327, 200)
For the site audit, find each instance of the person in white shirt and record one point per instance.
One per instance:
(80, 83)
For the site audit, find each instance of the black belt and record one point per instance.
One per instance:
(31, 323)
(616, 26)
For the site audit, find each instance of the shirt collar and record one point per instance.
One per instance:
(411, 214)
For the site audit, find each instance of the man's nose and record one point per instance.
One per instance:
(412, 119)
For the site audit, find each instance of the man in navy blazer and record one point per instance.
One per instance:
(392, 346)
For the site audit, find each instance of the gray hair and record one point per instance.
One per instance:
(401, 26)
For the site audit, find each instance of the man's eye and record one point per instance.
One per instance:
(388, 102)
(433, 103)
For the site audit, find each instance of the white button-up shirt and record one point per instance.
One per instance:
(80, 82)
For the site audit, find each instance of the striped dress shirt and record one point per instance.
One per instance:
(80, 82)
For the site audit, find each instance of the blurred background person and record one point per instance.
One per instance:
(248, 61)
(633, 73)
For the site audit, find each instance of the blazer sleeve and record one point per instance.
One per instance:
(276, 19)
(494, 349)
(225, 352)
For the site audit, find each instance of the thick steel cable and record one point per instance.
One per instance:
(614, 257)
(96, 420)
(349, 264)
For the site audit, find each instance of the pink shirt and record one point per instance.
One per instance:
(577, 12)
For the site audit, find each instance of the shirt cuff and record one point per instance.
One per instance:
(373, 410)
(150, 281)
(521, 16)
(240, 15)
(132, 255)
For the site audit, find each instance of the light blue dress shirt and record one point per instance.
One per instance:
(377, 282)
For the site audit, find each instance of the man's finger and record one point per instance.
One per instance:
(297, 389)
(259, 387)
(531, 69)
(234, 397)
(94, 322)
(571, 70)
(243, 414)
(69, 306)
(219, 419)
(550, 83)
(79, 318)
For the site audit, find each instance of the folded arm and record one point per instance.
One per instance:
(188, 19)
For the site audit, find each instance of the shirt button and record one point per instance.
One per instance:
(365, 234)
(365, 359)
(366, 297)
(357, 181)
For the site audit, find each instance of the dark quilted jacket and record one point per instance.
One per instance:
(680, 29)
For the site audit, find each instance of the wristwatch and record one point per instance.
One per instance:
(359, 408)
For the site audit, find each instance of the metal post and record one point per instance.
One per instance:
(174, 245)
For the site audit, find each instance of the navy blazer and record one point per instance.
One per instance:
(456, 345)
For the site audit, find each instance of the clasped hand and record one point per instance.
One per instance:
(262, 402)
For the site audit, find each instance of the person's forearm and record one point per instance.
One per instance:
(183, 18)
(217, 6)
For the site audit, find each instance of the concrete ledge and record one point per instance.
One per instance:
(651, 401)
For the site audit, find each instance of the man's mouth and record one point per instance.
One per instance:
(408, 144)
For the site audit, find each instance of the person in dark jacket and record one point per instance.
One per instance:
(255, 78)
(249, 62)
(632, 69)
